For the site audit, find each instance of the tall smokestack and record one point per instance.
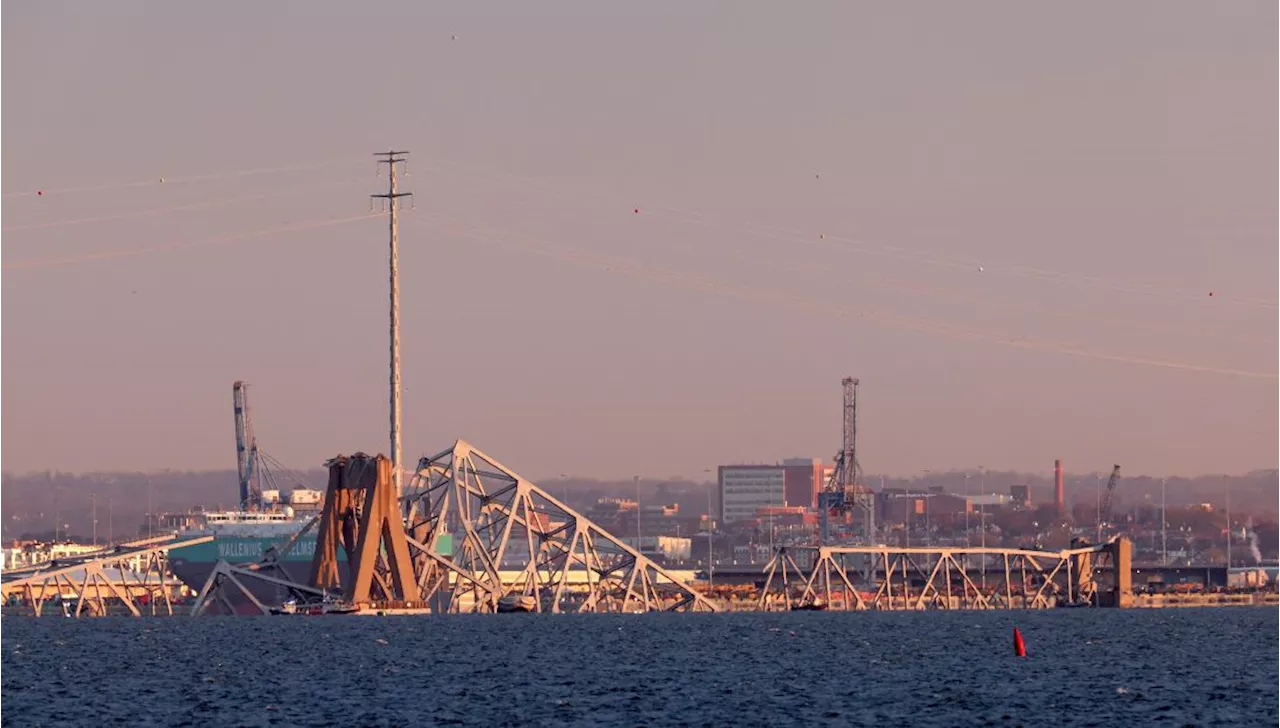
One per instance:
(1058, 498)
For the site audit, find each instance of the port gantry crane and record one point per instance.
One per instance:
(253, 465)
(1104, 510)
(841, 493)
(246, 449)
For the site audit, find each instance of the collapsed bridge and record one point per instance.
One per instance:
(499, 522)
(132, 578)
(892, 578)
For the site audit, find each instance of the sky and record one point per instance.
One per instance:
(645, 238)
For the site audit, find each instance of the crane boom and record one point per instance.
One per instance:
(1105, 510)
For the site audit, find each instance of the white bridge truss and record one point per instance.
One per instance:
(881, 578)
(502, 522)
(132, 578)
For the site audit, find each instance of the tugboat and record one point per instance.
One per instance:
(327, 605)
(516, 603)
(814, 606)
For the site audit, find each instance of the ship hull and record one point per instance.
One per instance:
(193, 565)
(196, 573)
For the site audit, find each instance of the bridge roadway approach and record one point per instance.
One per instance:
(132, 578)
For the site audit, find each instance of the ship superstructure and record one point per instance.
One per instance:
(267, 517)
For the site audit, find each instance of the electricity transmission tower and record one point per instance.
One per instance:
(392, 196)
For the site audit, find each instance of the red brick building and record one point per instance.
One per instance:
(802, 479)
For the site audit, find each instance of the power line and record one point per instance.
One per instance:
(179, 208)
(222, 240)
(392, 197)
(818, 236)
(159, 180)
(686, 279)
(977, 294)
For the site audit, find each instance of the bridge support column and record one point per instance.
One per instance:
(1121, 594)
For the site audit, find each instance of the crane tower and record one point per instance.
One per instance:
(842, 492)
(246, 448)
(1104, 509)
(848, 470)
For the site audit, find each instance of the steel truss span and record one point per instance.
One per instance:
(502, 522)
(132, 578)
(878, 578)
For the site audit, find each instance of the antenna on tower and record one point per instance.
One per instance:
(392, 195)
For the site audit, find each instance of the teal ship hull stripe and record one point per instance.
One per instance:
(238, 549)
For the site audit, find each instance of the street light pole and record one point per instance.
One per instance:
(1164, 544)
(968, 503)
(927, 538)
(1228, 534)
(984, 553)
(771, 544)
(711, 562)
(982, 491)
(928, 534)
(637, 482)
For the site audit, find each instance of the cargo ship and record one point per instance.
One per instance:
(266, 519)
(246, 537)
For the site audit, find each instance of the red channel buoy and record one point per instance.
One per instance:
(1019, 647)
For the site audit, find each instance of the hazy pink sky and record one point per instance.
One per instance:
(818, 185)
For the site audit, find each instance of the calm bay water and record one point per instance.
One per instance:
(1171, 667)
